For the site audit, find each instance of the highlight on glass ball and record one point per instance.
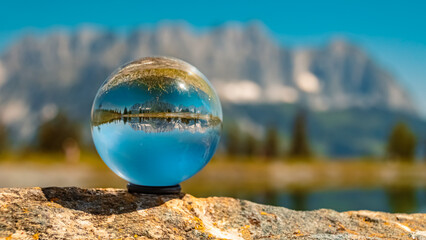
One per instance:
(156, 122)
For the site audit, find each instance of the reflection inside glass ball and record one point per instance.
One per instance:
(156, 121)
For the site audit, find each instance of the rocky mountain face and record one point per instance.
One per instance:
(63, 70)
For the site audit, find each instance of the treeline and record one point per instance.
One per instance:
(272, 146)
(402, 143)
(55, 135)
(58, 133)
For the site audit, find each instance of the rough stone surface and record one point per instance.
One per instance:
(74, 213)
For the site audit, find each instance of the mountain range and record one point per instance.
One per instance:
(62, 70)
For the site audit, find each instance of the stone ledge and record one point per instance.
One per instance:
(75, 213)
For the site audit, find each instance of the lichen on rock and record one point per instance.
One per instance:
(75, 213)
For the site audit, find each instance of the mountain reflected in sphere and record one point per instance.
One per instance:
(156, 121)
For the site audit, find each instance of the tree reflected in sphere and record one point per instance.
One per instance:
(156, 121)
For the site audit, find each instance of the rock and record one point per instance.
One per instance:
(75, 213)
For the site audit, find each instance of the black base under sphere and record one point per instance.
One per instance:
(133, 188)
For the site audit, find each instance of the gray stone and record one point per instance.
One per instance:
(74, 213)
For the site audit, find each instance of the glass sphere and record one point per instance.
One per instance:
(156, 121)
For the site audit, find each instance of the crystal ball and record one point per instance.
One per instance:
(156, 121)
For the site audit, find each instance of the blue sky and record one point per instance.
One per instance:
(393, 32)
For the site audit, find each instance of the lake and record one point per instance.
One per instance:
(342, 186)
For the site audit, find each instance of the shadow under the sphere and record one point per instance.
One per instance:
(104, 202)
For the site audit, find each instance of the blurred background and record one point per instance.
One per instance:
(324, 101)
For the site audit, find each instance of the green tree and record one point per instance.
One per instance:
(251, 145)
(423, 147)
(3, 138)
(52, 134)
(402, 143)
(125, 110)
(233, 140)
(299, 142)
(272, 142)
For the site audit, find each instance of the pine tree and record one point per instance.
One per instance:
(250, 145)
(272, 142)
(422, 146)
(52, 134)
(299, 143)
(3, 138)
(125, 110)
(402, 143)
(233, 140)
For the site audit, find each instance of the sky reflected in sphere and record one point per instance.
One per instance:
(156, 121)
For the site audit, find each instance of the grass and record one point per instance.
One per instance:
(224, 174)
